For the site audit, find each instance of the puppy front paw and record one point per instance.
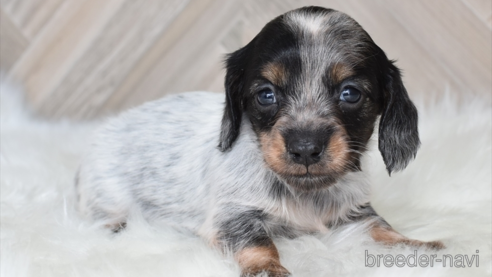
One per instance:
(272, 270)
(256, 260)
(388, 236)
(434, 245)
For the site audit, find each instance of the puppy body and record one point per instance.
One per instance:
(145, 159)
(281, 156)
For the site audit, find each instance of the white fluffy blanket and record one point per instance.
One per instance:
(444, 194)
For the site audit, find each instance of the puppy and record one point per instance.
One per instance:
(280, 158)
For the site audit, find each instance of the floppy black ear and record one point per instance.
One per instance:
(234, 84)
(398, 127)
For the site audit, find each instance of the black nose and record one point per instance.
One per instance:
(305, 151)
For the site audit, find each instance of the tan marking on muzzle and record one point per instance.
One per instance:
(334, 162)
(338, 150)
(335, 157)
(275, 152)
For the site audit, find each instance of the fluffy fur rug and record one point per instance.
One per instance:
(444, 194)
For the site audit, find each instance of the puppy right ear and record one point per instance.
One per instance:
(234, 85)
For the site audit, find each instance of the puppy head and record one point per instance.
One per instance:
(313, 83)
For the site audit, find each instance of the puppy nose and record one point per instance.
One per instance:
(305, 151)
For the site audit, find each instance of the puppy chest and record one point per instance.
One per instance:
(298, 219)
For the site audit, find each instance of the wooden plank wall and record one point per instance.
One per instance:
(83, 59)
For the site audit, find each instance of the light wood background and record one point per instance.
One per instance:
(87, 58)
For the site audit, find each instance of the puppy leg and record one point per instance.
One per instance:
(256, 259)
(244, 234)
(382, 232)
(385, 234)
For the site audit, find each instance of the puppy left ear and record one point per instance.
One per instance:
(398, 127)
(234, 84)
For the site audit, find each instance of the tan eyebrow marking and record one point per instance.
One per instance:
(340, 72)
(275, 73)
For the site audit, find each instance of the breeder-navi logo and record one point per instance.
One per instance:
(423, 260)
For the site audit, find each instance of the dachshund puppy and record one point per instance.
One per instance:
(280, 158)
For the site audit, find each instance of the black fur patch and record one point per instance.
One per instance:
(244, 229)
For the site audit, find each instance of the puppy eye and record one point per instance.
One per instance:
(350, 95)
(266, 97)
